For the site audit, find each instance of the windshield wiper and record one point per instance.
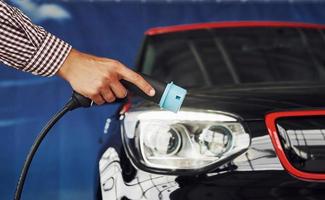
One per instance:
(200, 63)
(226, 58)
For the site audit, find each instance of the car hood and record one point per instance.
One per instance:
(252, 102)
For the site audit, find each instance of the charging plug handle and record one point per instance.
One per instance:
(159, 87)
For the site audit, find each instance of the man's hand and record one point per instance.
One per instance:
(99, 78)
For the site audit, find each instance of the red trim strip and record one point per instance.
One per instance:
(270, 124)
(234, 24)
(126, 107)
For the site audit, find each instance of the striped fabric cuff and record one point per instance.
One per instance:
(49, 57)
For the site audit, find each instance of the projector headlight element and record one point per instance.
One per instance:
(161, 141)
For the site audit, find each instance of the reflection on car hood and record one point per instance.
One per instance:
(252, 102)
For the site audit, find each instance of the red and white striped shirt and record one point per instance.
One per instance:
(29, 47)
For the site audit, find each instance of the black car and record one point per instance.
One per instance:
(251, 127)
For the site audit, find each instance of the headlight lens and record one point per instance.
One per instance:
(188, 140)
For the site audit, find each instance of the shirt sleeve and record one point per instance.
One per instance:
(29, 47)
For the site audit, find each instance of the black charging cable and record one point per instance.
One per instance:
(76, 101)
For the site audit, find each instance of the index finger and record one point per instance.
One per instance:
(135, 78)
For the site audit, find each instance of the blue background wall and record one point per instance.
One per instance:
(64, 167)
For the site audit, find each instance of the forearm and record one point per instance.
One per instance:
(28, 47)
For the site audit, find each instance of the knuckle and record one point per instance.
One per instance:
(111, 99)
(101, 89)
(119, 64)
(137, 77)
(103, 83)
(108, 77)
(116, 65)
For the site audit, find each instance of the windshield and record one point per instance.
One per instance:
(236, 55)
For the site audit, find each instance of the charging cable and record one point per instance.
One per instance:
(76, 101)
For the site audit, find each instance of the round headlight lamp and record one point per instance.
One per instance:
(215, 140)
(161, 140)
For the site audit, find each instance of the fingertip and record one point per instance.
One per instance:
(152, 92)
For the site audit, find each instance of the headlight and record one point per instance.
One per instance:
(189, 141)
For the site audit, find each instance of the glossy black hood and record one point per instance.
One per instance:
(252, 102)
